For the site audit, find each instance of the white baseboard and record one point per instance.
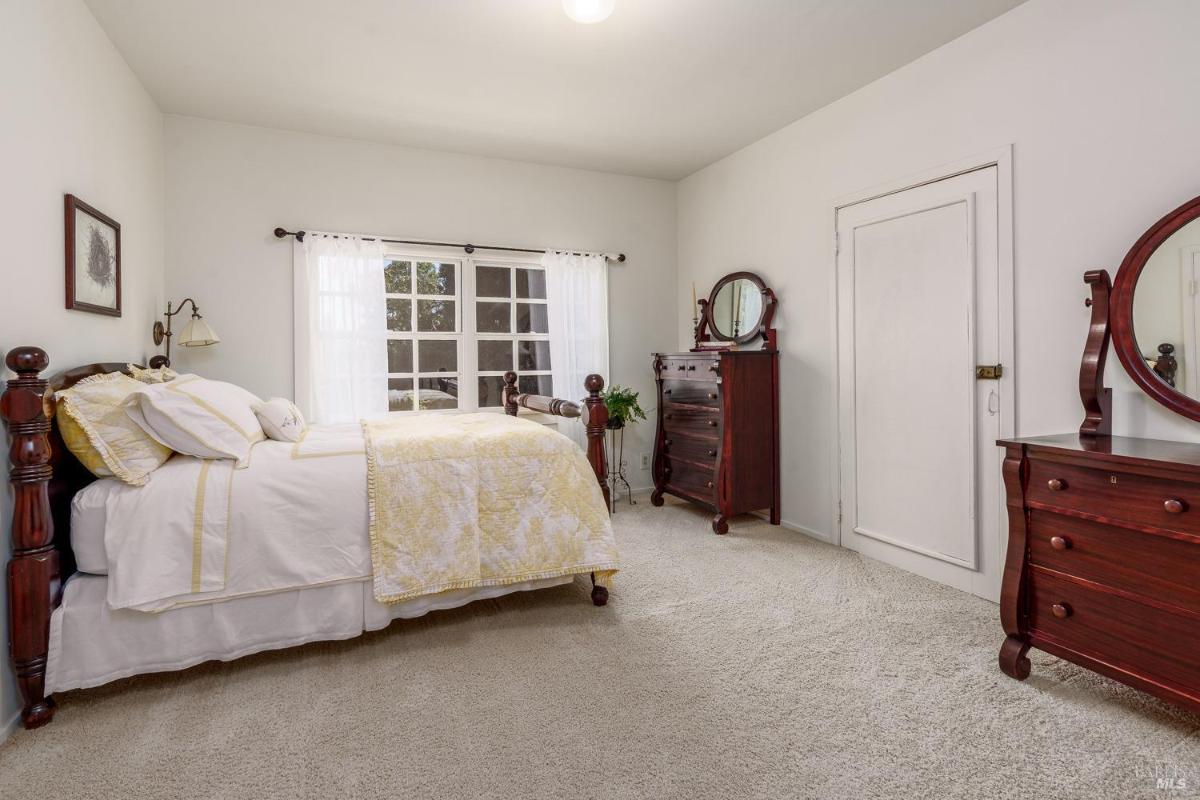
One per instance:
(792, 526)
(11, 725)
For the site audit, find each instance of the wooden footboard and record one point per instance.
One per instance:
(593, 412)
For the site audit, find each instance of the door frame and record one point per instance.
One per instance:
(1001, 159)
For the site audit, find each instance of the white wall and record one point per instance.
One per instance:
(229, 186)
(75, 120)
(1095, 97)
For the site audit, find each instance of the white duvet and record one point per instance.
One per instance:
(203, 531)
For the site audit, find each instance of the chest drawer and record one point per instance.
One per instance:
(698, 421)
(689, 369)
(692, 479)
(1118, 631)
(697, 450)
(1142, 563)
(1130, 498)
(691, 392)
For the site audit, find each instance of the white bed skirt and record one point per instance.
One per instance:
(92, 644)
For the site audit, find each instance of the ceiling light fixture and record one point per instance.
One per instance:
(588, 11)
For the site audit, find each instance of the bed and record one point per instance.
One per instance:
(88, 607)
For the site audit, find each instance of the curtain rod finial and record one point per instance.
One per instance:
(621, 257)
(280, 233)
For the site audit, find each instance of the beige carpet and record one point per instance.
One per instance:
(761, 664)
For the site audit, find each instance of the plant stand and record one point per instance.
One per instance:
(616, 466)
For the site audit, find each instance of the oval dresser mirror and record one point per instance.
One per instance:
(1156, 311)
(737, 307)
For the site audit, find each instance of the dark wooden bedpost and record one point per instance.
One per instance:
(596, 424)
(33, 578)
(508, 394)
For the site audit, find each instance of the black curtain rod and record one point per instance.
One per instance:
(469, 248)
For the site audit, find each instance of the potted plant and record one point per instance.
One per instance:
(622, 405)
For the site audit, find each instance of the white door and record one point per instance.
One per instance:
(918, 311)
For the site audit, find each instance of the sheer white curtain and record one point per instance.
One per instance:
(341, 325)
(577, 290)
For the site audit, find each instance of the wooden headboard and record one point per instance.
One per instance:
(45, 476)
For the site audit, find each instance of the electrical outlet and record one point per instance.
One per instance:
(645, 461)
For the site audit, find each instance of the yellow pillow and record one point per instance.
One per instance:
(95, 427)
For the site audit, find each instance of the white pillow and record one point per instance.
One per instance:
(198, 417)
(281, 420)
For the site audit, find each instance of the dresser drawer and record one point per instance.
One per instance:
(703, 368)
(696, 420)
(695, 449)
(690, 392)
(1143, 563)
(692, 479)
(1130, 498)
(1116, 630)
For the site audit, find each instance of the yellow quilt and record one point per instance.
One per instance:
(469, 500)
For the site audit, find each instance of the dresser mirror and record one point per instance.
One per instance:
(737, 312)
(1155, 309)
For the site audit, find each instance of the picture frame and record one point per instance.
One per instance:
(93, 259)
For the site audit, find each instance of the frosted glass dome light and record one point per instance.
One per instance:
(588, 11)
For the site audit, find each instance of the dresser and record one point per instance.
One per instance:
(1102, 566)
(717, 442)
(1104, 558)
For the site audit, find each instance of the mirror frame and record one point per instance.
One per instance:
(1123, 336)
(761, 326)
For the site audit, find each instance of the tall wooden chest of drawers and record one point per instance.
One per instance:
(717, 442)
(1103, 564)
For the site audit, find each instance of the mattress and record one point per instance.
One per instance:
(92, 644)
(87, 526)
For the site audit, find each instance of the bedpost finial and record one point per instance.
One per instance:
(593, 383)
(510, 378)
(24, 360)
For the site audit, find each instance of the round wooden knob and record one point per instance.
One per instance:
(681, 368)
(1174, 506)
(709, 484)
(666, 442)
(1056, 484)
(668, 416)
(666, 391)
(1060, 610)
(712, 423)
(1059, 543)
(691, 367)
(712, 395)
(712, 453)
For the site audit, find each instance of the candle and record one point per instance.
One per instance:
(693, 298)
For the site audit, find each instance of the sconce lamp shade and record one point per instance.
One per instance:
(198, 333)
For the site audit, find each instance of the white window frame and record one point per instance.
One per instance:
(465, 319)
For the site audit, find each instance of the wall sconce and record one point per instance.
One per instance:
(197, 333)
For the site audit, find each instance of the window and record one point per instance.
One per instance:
(455, 326)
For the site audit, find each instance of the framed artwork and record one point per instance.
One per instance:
(93, 259)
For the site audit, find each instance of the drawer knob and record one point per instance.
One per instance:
(712, 453)
(713, 423)
(709, 484)
(1056, 484)
(691, 367)
(681, 368)
(668, 416)
(716, 366)
(1174, 506)
(666, 391)
(1060, 610)
(666, 442)
(1059, 543)
(712, 395)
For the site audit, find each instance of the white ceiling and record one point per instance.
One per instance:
(661, 88)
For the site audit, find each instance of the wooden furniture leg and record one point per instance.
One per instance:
(33, 578)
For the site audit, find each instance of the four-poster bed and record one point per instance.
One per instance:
(46, 477)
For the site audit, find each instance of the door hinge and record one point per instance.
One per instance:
(839, 512)
(837, 243)
(989, 372)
